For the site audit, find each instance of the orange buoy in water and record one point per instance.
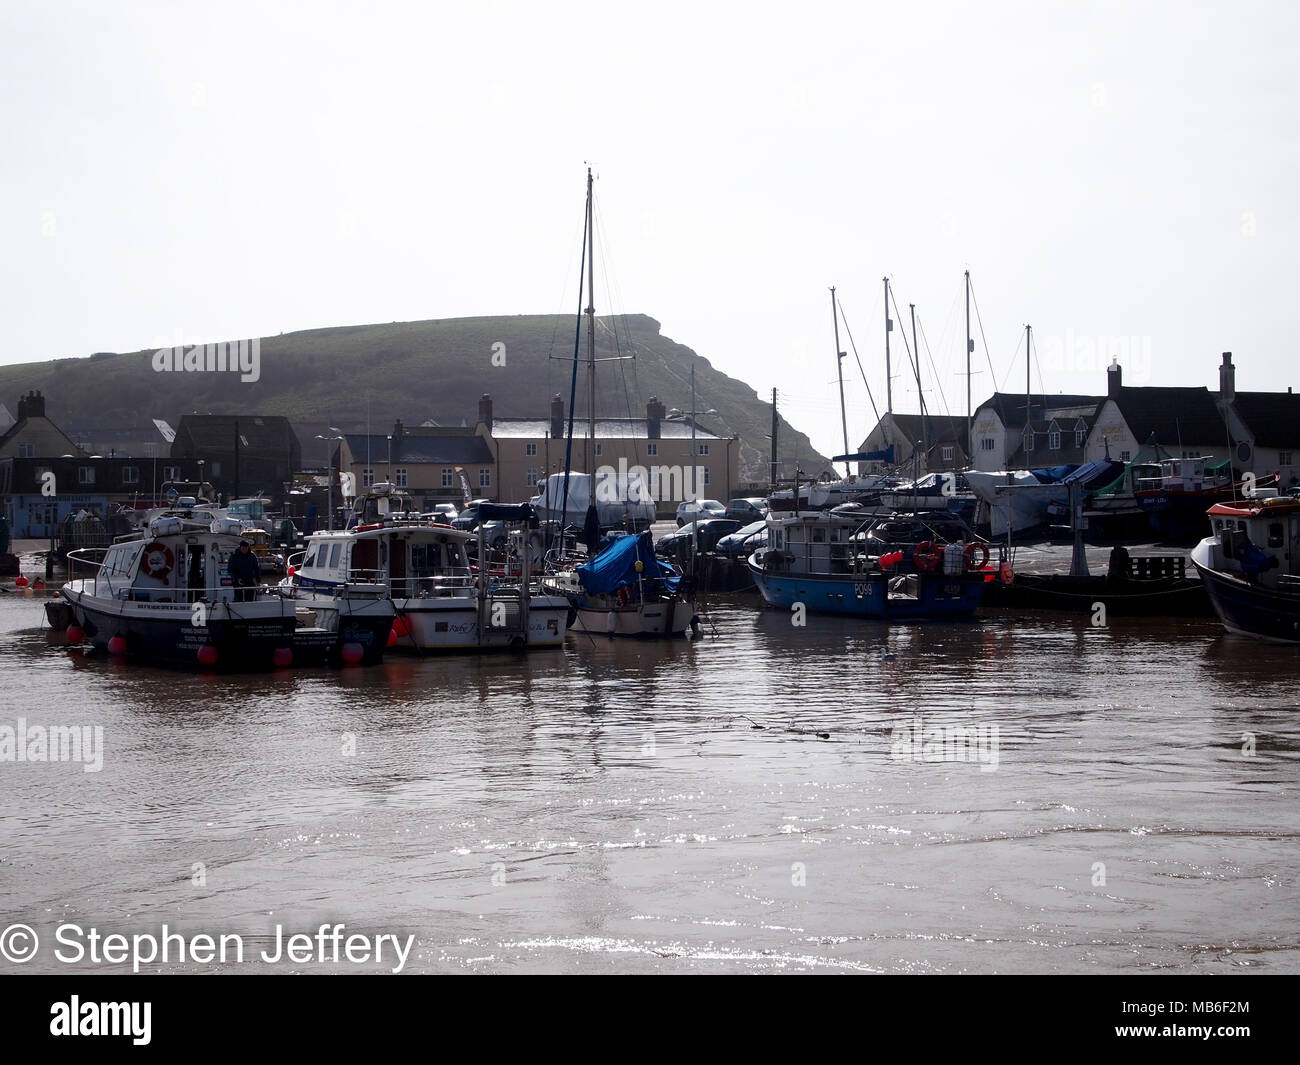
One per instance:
(207, 655)
(20, 582)
(38, 585)
(117, 645)
(74, 634)
(352, 653)
(283, 657)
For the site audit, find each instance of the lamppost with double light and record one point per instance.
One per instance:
(329, 470)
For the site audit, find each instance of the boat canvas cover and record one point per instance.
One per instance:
(615, 567)
(1099, 471)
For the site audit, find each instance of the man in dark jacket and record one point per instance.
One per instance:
(244, 572)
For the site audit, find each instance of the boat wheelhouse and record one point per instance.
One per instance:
(442, 599)
(1250, 564)
(169, 597)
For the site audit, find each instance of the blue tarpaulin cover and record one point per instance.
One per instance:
(1102, 471)
(616, 566)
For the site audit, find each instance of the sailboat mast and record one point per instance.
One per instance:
(970, 347)
(889, 379)
(925, 432)
(839, 366)
(1028, 333)
(591, 335)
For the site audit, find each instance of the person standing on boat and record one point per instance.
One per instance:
(244, 572)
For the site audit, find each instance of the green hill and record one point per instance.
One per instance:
(414, 371)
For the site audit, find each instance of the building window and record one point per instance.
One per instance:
(1125, 456)
(367, 477)
(215, 471)
(1029, 440)
(1080, 436)
(703, 449)
(130, 474)
(530, 450)
(85, 474)
(171, 473)
(447, 474)
(532, 477)
(947, 454)
(706, 474)
(26, 451)
(1284, 458)
(1054, 440)
(600, 450)
(399, 476)
(987, 443)
(652, 450)
(485, 476)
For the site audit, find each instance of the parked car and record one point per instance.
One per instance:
(699, 510)
(706, 533)
(744, 541)
(750, 509)
(442, 513)
(468, 518)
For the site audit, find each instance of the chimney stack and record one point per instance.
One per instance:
(557, 418)
(654, 414)
(1227, 379)
(398, 430)
(1114, 379)
(485, 410)
(31, 405)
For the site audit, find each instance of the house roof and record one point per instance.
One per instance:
(46, 438)
(1010, 408)
(1273, 418)
(216, 432)
(942, 428)
(423, 445)
(606, 429)
(1172, 414)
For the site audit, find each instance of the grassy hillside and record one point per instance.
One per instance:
(414, 371)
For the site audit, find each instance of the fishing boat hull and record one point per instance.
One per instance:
(1248, 609)
(659, 620)
(424, 625)
(1166, 597)
(902, 597)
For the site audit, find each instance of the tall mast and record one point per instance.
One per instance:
(1028, 335)
(839, 366)
(916, 351)
(591, 335)
(970, 347)
(889, 380)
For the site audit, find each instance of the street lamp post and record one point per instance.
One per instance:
(329, 471)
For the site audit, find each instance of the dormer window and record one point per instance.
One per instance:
(1029, 439)
(1080, 433)
(1054, 439)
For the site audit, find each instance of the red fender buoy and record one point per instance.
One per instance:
(283, 657)
(74, 634)
(117, 645)
(207, 655)
(352, 653)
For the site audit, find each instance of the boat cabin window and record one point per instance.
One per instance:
(309, 559)
(819, 536)
(1276, 535)
(334, 555)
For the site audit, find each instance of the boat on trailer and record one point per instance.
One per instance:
(1250, 564)
(832, 564)
(169, 597)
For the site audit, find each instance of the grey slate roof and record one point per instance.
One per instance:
(606, 429)
(450, 446)
(1272, 417)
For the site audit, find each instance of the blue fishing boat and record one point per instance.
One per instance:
(831, 563)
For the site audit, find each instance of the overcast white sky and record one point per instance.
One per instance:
(185, 172)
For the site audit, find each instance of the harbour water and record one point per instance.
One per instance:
(768, 798)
